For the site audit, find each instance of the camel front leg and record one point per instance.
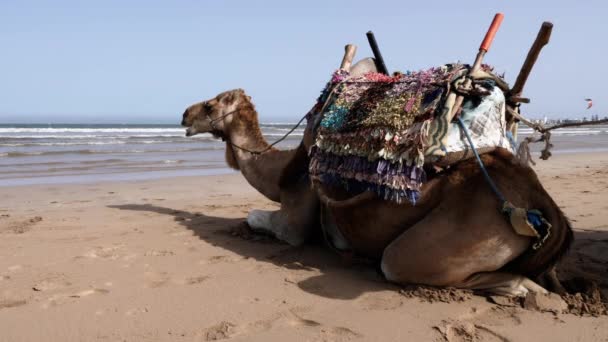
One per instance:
(297, 219)
(272, 222)
(502, 283)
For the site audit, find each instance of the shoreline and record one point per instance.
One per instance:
(213, 170)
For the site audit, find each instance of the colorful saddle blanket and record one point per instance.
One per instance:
(376, 132)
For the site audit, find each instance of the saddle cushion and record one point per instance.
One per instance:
(374, 132)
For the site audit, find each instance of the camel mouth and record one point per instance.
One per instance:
(217, 134)
(190, 131)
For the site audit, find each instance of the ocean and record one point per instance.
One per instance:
(77, 153)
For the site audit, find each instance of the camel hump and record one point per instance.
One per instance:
(363, 67)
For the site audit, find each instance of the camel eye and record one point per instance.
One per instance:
(207, 106)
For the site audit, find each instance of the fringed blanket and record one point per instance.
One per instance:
(374, 131)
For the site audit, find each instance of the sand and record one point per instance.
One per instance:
(156, 261)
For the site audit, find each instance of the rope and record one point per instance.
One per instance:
(483, 168)
(533, 218)
(523, 152)
(511, 140)
(269, 147)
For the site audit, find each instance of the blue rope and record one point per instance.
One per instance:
(534, 217)
(483, 168)
(512, 140)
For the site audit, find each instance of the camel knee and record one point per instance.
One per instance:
(400, 268)
(278, 224)
(295, 236)
(260, 220)
(395, 268)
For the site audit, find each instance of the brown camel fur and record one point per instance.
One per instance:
(454, 236)
(262, 171)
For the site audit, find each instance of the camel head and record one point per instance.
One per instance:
(217, 115)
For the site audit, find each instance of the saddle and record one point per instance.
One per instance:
(377, 133)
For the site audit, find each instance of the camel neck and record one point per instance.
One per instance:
(248, 136)
(262, 171)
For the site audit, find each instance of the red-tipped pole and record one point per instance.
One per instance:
(483, 48)
(487, 40)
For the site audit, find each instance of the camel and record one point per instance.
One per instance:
(231, 116)
(454, 235)
(262, 171)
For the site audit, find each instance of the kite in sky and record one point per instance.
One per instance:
(589, 103)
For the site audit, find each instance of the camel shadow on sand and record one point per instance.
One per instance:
(339, 279)
(342, 279)
(588, 260)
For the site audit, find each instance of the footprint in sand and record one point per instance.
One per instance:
(89, 292)
(195, 280)
(216, 259)
(463, 331)
(110, 253)
(15, 268)
(290, 318)
(51, 282)
(11, 303)
(480, 325)
(495, 316)
(63, 298)
(293, 319)
(220, 331)
(156, 279)
(20, 227)
(136, 311)
(161, 253)
(338, 334)
(383, 300)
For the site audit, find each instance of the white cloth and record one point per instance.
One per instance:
(486, 125)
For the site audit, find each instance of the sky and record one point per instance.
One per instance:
(145, 61)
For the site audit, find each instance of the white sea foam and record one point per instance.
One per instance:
(87, 136)
(582, 131)
(87, 130)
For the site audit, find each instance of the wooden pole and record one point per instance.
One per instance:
(483, 48)
(542, 39)
(349, 54)
(515, 94)
(377, 55)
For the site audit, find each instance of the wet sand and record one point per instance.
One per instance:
(155, 260)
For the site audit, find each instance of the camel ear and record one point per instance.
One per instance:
(240, 93)
(229, 98)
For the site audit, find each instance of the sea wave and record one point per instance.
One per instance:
(123, 141)
(86, 130)
(88, 151)
(567, 131)
(90, 136)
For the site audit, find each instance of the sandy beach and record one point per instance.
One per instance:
(155, 260)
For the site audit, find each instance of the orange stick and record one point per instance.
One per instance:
(483, 48)
(487, 40)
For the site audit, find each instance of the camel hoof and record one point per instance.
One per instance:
(518, 288)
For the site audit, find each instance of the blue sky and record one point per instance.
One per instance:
(145, 61)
